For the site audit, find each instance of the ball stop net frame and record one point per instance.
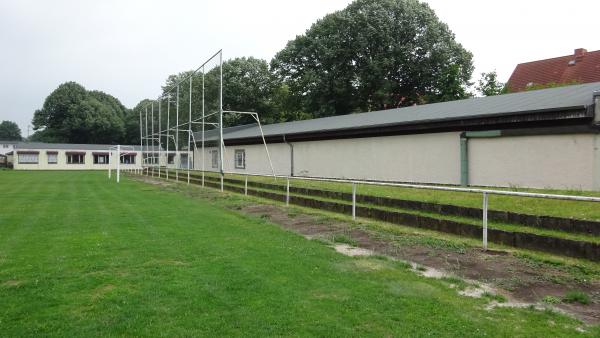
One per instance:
(196, 97)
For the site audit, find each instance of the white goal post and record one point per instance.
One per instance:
(118, 152)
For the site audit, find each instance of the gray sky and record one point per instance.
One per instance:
(118, 46)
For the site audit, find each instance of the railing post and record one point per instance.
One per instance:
(485, 220)
(353, 200)
(246, 186)
(287, 193)
(222, 182)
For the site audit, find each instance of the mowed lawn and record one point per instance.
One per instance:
(82, 256)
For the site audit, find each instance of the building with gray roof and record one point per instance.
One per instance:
(543, 138)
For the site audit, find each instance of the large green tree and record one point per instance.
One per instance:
(73, 114)
(375, 54)
(10, 131)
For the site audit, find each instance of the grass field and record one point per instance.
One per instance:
(80, 256)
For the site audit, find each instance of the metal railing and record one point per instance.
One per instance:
(485, 192)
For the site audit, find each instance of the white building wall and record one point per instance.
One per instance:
(257, 161)
(427, 158)
(547, 161)
(6, 147)
(62, 160)
(431, 158)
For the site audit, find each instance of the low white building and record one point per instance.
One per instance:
(541, 139)
(63, 156)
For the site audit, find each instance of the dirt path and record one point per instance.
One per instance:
(512, 277)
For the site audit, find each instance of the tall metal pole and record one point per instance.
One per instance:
(153, 140)
(141, 140)
(189, 133)
(109, 161)
(353, 200)
(177, 136)
(221, 119)
(159, 136)
(485, 221)
(202, 125)
(168, 134)
(118, 159)
(146, 159)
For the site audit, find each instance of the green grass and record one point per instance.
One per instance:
(576, 297)
(532, 206)
(80, 256)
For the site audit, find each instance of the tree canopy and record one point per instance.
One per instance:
(75, 115)
(375, 54)
(10, 131)
(488, 85)
(372, 55)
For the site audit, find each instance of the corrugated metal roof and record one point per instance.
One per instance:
(71, 146)
(576, 96)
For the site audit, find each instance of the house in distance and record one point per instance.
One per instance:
(580, 67)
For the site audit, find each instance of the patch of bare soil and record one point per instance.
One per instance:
(516, 279)
(151, 180)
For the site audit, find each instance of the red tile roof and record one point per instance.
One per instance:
(581, 67)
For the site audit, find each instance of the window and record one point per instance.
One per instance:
(75, 158)
(128, 159)
(101, 158)
(150, 158)
(183, 161)
(171, 159)
(52, 158)
(240, 159)
(214, 158)
(28, 158)
(5, 146)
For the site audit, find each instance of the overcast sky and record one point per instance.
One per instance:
(118, 46)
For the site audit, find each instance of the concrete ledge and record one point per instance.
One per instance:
(554, 245)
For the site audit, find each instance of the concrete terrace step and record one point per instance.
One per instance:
(569, 225)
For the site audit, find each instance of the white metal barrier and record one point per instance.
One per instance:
(485, 193)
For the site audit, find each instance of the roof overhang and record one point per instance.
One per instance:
(578, 115)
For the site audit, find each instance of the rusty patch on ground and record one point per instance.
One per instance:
(520, 282)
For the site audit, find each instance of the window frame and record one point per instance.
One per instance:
(37, 157)
(98, 155)
(70, 156)
(54, 154)
(150, 158)
(131, 156)
(241, 152)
